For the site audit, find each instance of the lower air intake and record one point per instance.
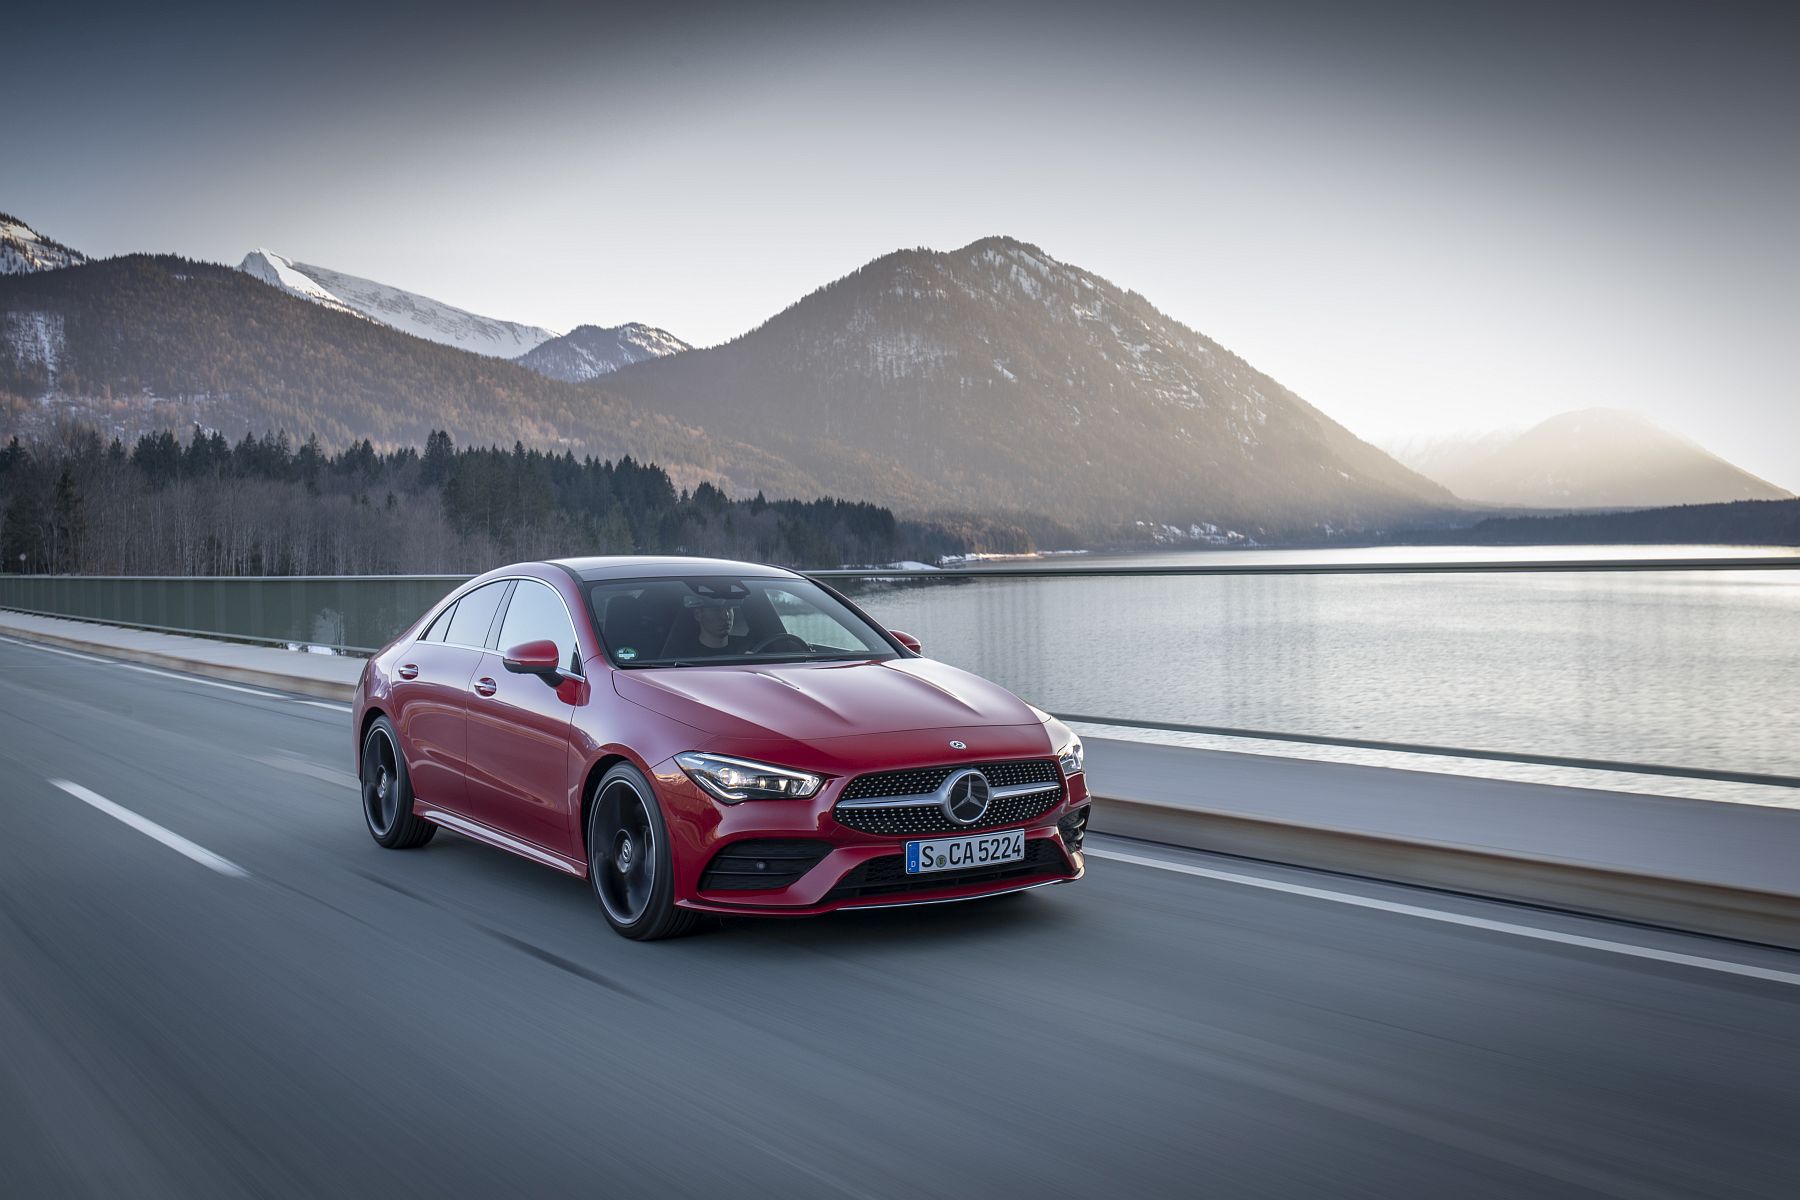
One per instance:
(757, 866)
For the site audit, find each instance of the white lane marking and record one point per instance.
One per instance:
(151, 829)
(1449, 918)
(108, 662)
(230, 687)
(56, 650)
(214, 683)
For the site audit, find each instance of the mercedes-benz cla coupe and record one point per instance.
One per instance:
(696, 736)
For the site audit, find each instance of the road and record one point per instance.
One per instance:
(212, 983)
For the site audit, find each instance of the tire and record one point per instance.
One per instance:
(387, 798)
(633, 883)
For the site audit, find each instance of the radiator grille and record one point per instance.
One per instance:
(911, 820)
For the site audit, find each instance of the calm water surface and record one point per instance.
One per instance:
(1668, 667)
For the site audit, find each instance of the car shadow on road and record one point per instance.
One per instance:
(565, 904)
(1004, 916)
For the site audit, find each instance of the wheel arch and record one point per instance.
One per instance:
(595, 774)
(362, 734)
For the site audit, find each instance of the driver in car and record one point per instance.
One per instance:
(716, 619)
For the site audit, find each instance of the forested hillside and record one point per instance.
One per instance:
(1738, 523)
(138, 344)
(265, 506)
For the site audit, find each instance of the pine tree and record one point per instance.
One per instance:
(68, 525)
(22, 530)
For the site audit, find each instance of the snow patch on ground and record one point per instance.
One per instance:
(36, 338)
(1202, 532)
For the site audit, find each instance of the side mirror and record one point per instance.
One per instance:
(540, 658)
(906, 639)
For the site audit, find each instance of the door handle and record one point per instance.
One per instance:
(408, 671)
(485, 686)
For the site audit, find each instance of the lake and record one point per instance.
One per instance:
(1694, 669)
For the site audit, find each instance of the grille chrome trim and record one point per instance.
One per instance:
(914, 801)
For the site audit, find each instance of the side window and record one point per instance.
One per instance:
(537, 614)
(475, 614)
(439, 627)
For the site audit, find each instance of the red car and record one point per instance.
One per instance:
(697, 736)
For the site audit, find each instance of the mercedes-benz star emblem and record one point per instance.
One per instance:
(959, 746)
(966, 797)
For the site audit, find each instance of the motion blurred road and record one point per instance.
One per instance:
(305, 1014)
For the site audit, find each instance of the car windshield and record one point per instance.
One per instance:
(713, 620)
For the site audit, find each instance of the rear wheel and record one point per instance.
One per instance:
(387, 792)
(629, 860)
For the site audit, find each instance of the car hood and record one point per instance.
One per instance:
(808, 701)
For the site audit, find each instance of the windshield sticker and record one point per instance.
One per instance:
(627, 653)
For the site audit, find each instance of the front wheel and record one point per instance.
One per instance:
(387, 797)
(629, 861)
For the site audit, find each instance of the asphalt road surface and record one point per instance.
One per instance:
(212, 983)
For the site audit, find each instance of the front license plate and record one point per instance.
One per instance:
(957, 854)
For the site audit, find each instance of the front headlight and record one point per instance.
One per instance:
(1071, 757)
(736, 779)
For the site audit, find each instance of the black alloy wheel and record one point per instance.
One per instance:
(387, 797)
(629, 863)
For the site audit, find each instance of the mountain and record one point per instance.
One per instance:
(1595, 458)
(406, 311)
(987, 387)
(588, 351)
(23, 249)
(996, 378)
(139, 343)
(1441, 455)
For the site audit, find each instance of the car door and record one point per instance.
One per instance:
(519, 774)
(430, 686)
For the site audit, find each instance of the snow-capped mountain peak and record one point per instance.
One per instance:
(589, 351)
(280, 272)
(406, 311)
(23, 249)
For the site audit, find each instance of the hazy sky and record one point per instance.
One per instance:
(1421, 217)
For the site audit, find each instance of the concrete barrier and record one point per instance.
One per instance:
(1767, 917)
(325, 676)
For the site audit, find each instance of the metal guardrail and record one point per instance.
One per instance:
(1493, 567)
(1513, 756)
(357, 614)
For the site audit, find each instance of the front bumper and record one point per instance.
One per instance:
(856, 869)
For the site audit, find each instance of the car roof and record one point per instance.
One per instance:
(641, 566)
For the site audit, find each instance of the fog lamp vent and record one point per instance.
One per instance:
(1074, 828)
(759, 865)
